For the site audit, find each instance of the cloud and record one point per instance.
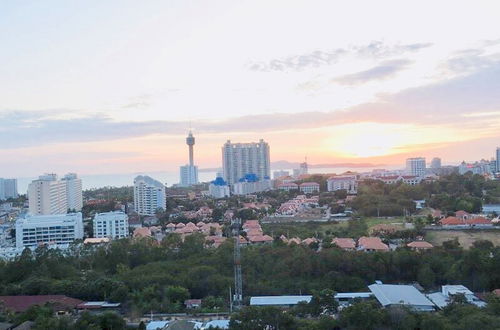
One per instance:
(135, 105)
(453, 102)
(382, 71)
(376, 49)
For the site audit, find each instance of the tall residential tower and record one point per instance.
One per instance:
(240, 159)
(189, 172)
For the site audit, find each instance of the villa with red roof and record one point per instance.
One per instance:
(420, 245)
(370, 244)
(345, 243)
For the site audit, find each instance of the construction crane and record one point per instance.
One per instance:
(238, 281)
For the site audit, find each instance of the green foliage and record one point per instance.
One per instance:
(450, 193)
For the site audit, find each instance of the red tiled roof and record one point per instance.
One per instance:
(309, 184)
(344, 243)
(372, 243)
(451, 221)
(142, 232)
(478, 221)
(19, 304)
(259, 239)
(461, 213)
(420, 245)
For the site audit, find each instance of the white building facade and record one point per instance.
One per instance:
(58, 229)
(189, 175)
(74, 194)
(240, 159)
(47, 195)
(245, 188)
(416, 166)
(343, 182)
(149, 195)
(219, 188)
(111, 224)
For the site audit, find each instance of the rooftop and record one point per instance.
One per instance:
(392, 294)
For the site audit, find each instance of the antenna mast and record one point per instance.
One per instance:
(238, 281)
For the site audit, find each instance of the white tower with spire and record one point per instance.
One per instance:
(189, 172)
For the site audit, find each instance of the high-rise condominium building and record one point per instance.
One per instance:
(498, 160)
(111, 224)
(48, 195)
(416, 166)
(436, 163)
(8, 188)
(74, 194)
(149, 195)
(59, 229)
(239, 159)
(189, 172)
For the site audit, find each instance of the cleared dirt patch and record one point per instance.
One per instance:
(465, 237)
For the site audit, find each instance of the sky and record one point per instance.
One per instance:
(114, 86)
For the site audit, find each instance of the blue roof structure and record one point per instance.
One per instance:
(249, 177)
(219, 181)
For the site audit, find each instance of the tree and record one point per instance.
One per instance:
(323, 302)
(364, 315)
(258, 318)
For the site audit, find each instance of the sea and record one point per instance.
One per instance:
(91, 181)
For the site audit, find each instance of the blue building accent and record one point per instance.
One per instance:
(219, 181)
(249, 177)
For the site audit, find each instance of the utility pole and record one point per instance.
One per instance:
(238, 281)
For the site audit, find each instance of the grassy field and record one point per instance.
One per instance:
(465, 237)
(309, 229)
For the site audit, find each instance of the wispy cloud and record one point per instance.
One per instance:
(475, 96)
(382, 71)
(375, 50)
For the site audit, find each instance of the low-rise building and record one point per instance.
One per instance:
(219, 188)
(445, 297)
(372, 244)
(345, 243)
(59, 229)
(309, 187)
(250, 184)
(401, 295)
(111, 224)
(348, 183)
(420, 245)
(288, 186)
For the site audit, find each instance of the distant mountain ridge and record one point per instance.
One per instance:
(286, 165)
(283, 164)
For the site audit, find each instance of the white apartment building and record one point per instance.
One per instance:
(48, 195)
(219, 188)
(58, 229)
(111, 224)
(8, 188)
(239, 159)
(416, 166)
(343, 182)
(245, 188)
(189, 175)
(149, 195)
(74, 194)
